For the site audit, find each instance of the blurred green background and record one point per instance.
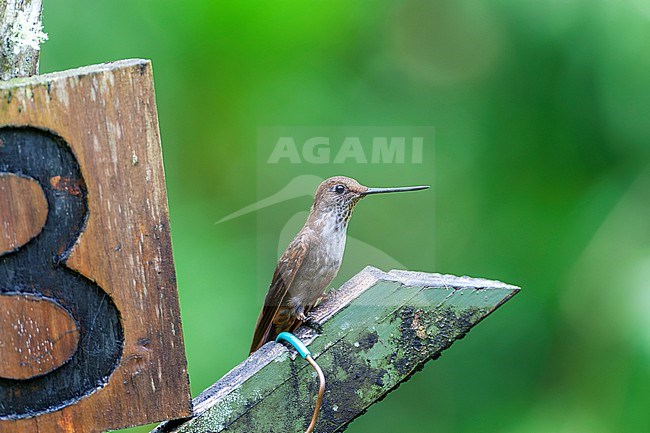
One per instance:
(541, 113)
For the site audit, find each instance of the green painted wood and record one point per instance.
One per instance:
(377, 331)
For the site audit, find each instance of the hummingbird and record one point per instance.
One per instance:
(313, 258)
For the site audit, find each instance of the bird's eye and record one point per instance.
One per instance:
(339, 189)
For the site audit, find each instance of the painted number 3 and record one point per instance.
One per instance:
(60, 333)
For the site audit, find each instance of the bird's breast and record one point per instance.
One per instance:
(332, 240)
(320, 266)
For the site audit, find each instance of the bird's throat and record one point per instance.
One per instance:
(330, 223)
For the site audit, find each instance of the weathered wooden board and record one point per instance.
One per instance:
(90, 331)
(377, 330)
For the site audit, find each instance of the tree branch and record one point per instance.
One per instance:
(21, 33)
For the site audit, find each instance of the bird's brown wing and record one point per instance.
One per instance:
(275, 301)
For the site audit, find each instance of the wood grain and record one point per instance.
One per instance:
(36, 336)
(23, 215)
(107, 115)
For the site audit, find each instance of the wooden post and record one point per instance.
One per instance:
(90, 332)
(377, 331)
(20, 36)
(90, 335)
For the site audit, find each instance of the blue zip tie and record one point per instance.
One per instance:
(295, 342)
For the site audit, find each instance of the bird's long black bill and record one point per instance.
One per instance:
(402, 189)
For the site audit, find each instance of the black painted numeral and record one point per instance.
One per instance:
(37, 269)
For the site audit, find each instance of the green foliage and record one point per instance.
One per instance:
(540, 166)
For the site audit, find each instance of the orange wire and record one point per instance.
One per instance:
(321, 391)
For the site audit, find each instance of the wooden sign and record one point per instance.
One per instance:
(90, 330)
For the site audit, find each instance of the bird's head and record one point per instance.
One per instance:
(339, 194)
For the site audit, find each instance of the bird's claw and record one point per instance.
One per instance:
(311, 323)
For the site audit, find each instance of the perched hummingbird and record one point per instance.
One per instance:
(312, 259)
